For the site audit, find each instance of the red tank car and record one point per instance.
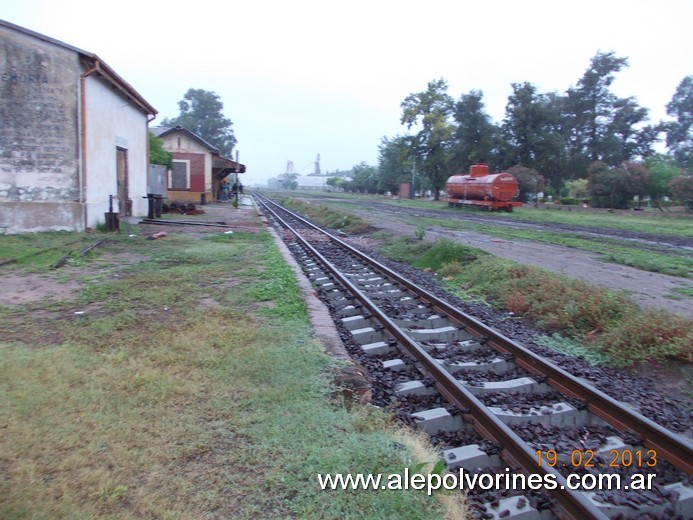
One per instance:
(491, 192)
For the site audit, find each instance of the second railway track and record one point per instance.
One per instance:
(527, 415)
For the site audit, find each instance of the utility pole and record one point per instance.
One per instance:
(413, 174)
(238, 165)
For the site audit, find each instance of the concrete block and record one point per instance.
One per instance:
(395, 364)
(470, 345)
(557, 414)
(520, 384)
(508, 508)
(429, 322)
(684, 505)
(392, 293)
(376, 349)
(414, 388)
(333, 295)
(469, 457)
(348, 310)
(442, 334)
(367, 335)
(355, 322)
(437, 419)
(613, 443)
(497, 365)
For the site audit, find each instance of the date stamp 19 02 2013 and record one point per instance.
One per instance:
(589, 459)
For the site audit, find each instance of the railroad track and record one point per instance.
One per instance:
(510, 397)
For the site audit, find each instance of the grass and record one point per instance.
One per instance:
(325, 216)
(588, 321)
(611, 250)
(190, 388)
(651, 221)
(621, 252)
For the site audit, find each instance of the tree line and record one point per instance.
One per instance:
(586, 142)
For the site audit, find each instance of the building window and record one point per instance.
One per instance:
(179, 176)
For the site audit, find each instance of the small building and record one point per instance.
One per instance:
(312, 182)
(198, 167)
(73, 138)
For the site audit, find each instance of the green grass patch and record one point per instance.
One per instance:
(325, 216)
(191, 387)
(611, 250)
(579, 319)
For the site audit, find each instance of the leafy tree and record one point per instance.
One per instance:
(475, 135)
(432, 111)
(615, 187)
(681, 188)
(288, 181)
(364, 179)
(336, 182)
(532, 131)
(157, 154)
(201, 113)
(593, 103)
(394, 163)
(663, 169)
(523, 124)
(622, 141)
(577, 189)
(680, 132)
(530, 181)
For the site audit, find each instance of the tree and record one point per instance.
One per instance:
(336, 182)
(394, 163)
(530, 182)
(680, 132)
(622, 140)
(364, 179)
(431, 110)
(157, 154)
(663, 169)
(592, 103)
(531, 131)
(475, 135)
(288, 181)
(523, 123)
(201, 113)
(615, 187)
(681, 188)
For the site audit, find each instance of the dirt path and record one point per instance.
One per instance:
(649, 290)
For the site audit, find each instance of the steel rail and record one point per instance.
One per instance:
(570, 504)
(673, 448)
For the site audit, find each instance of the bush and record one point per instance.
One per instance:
(605, 321)
(648, 336)
(569, 201)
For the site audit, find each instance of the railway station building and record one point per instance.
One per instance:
(73, 138)
(198, 167)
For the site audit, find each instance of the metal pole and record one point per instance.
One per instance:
(237, 187)
(413, 173)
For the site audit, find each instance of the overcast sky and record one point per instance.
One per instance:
(300, 78)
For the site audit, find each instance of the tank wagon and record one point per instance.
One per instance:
(490, 191)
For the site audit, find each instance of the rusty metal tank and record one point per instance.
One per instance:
(481, 185)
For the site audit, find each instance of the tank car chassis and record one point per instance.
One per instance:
(484, 205)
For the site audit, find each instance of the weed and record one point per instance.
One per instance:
(325, 216)
(114, 494)
(648, 336)
(602, 325)
(153, 406)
